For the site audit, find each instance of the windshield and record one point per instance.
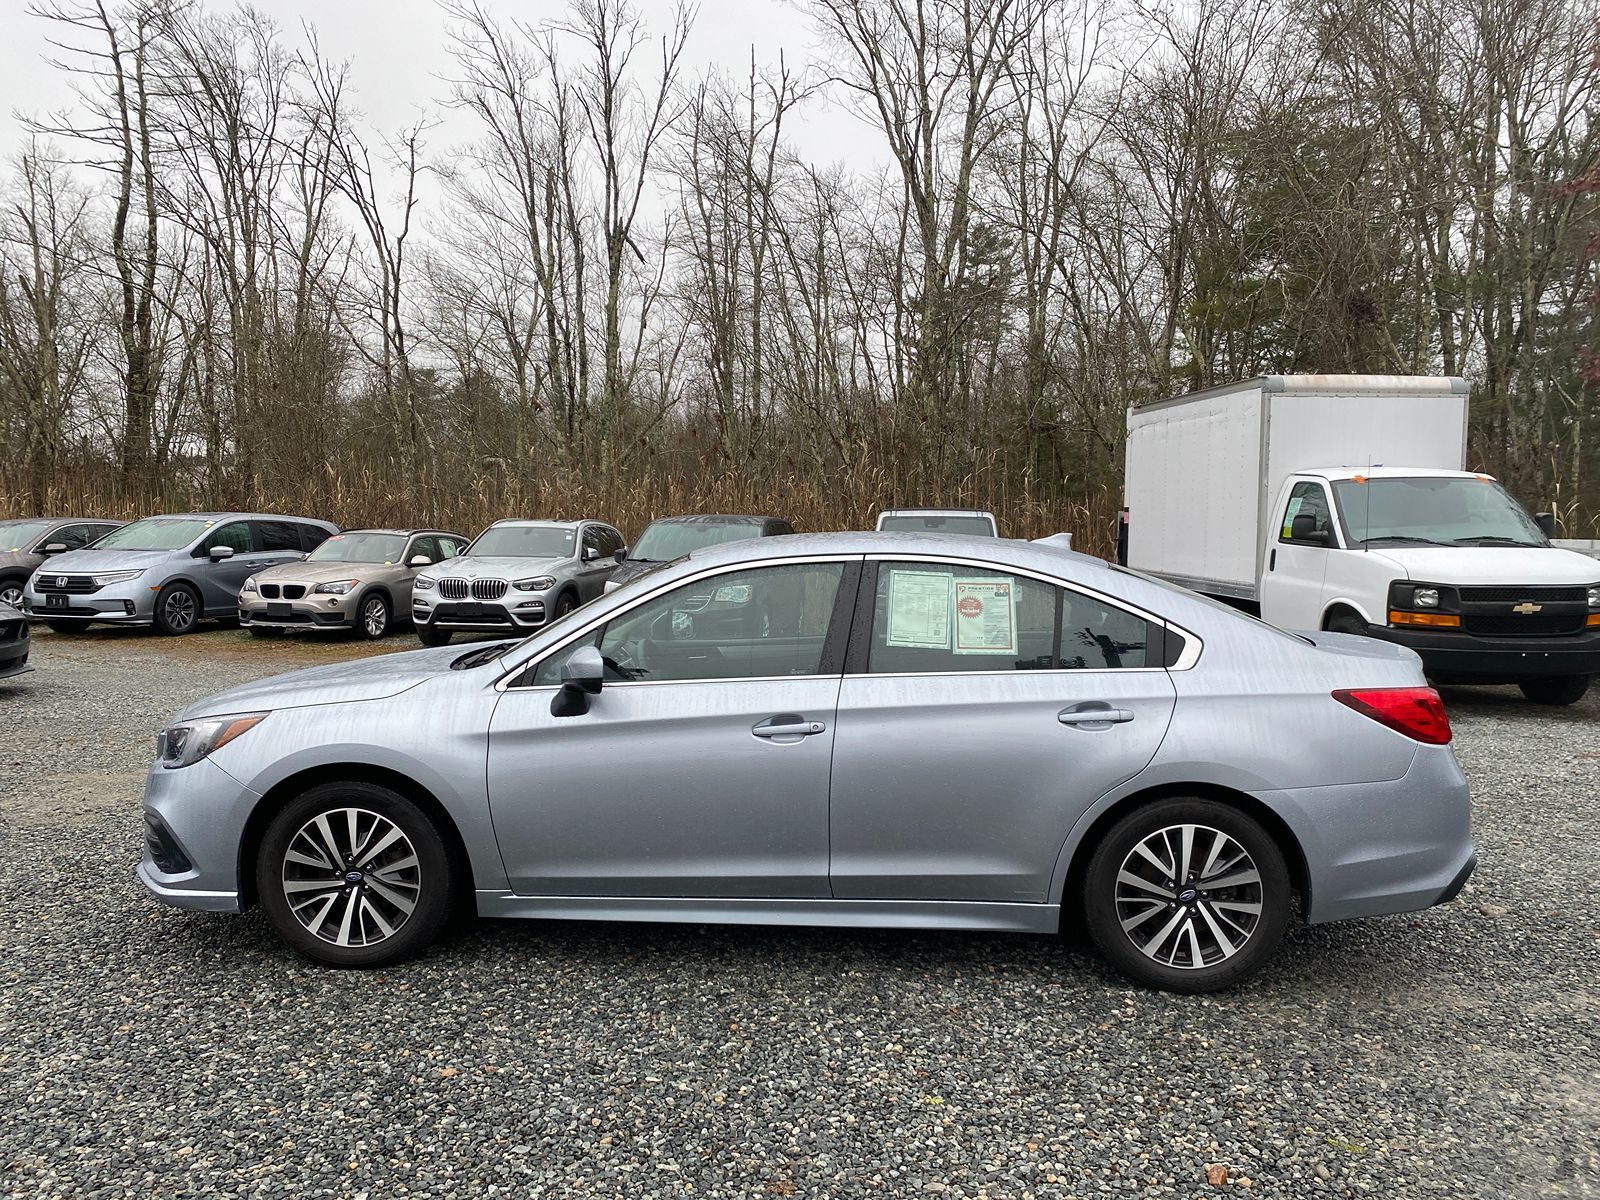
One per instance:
(664, 541)
(155, 533)
(360, 547)
(20, 535)
(524, 541)
(938, 523)
(1441, 510)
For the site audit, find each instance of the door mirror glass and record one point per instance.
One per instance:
(221, 553)
(1545, 520)
(420, 560)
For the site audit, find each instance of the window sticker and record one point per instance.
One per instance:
(733, 593)
(986, 617)
(682, 624)
(919, 609)
(1288, 516)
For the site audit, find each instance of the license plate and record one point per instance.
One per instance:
(279, 610)
(54, 601)
(467, 612)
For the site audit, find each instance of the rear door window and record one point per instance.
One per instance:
(278, 536)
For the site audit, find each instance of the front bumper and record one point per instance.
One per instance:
(200, 812)
(14, 658)
(309, 612)
(129, 603)
(518, 612)
(1459, 657)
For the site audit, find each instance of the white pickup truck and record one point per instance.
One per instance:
(1340, 502)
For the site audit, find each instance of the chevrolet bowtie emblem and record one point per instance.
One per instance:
(1527, 608)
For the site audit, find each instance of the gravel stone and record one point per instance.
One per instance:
(147, 1051)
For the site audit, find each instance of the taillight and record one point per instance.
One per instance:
(1416, 712)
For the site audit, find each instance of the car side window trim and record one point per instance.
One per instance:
(1180, 659)
(833, 646)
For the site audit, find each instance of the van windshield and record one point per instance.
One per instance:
(1434, 510)
(155, 533)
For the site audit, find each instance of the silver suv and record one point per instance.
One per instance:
(357, 580)
(167, 571)
(971, 522)
(518, 576)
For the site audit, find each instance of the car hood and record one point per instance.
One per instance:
(310, 572)
(465, 567)
(1472, 565)
(82, 562)
(338, 683)
(632, 568)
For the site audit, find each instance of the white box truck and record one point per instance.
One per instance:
(1341, 502)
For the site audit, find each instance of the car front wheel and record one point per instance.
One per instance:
(354, 875)
(177, 609)
(433, 637)
(11, 592)
(372, 622)
(1187, 895)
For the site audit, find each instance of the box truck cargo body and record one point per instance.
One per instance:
(1339, 502)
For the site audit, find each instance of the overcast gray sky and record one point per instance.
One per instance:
(398, 56)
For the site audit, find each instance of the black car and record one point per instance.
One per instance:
(13, 642)
(669, 538)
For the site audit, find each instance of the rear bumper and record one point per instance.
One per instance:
(1464, 658)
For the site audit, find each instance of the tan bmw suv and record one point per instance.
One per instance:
(357, 580)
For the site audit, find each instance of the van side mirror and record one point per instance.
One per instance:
(621, 555)
(220, 553)
(420, 560)
(55, 548)
(1545, 520)
(1304, 529)
(582, 676)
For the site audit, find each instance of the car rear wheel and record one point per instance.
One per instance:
(11, 592)
(1187, 895)
(372, 622)
(1561, 690)
(177, 609)
(354, 875)
(433, 637)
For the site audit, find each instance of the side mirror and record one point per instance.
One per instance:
(55, 548)
(582, 676)
(220, 553)
(1304, 529)
(420, 560)
(1546, 522)
(590, 553)
(621, 556)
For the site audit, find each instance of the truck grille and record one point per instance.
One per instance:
(1516, 595)
(478, 589)
(1536, 625)
(74, 585)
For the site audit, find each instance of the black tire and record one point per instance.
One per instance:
(177, 610)
(1559, 690)
(430, 636)
(373, 617)
(260, 631)
(67, 626)
(565, 603)
(1105, 909)
(11, 589)
(1344, 621)
(361, 911)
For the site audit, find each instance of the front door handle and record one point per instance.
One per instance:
(787, 725)
(1094, 715)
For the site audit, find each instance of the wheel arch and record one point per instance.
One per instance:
(285, 790)
(1343, 604)
(1071, 898)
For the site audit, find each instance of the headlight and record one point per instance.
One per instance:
(422, 584)
(1425, 598)
(249, 585)
(116, 577)
(338, 587)
(186, 743)
(1594, 598)
(541, 583)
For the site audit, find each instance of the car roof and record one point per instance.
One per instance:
(63, 520)
(1382, 472)
(714, 519)
(944, 512)
(1001, 551)
(528, 524)
(232, 516)
(401, 532)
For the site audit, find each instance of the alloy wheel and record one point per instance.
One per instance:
(11, 594)
(1189, 896)
(351, 877)
(374, 617)
(179, 609)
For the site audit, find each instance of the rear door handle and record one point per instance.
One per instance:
(1095, 713)
(787, 725)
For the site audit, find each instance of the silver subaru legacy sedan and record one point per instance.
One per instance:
(837, 729)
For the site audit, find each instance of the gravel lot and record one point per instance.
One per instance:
(145, 1051)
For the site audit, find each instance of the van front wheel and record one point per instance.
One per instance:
(1560, 690)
